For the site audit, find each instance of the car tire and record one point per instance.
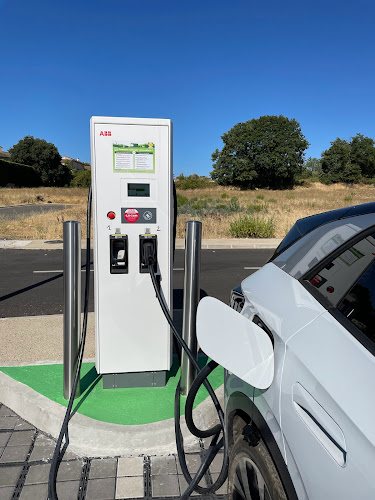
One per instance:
(252, 474)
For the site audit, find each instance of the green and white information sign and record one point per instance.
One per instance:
(134, 158)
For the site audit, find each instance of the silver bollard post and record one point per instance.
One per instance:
(193, 238)
(72, 302)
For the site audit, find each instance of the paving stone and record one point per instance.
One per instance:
(67, 490)
(130, 487)
(101, 489)
(44, 448)
(165, 486)
(103, 468)
(130, 466)
(70, 471)
(6, 493)
(193, 463)
(217, 463)
(9, 475)
(163, 465)
(38, 474)
(6, 412)
(4, 438)
(223, 490)
(1, 450)
(35, 492)
(8, 422)
(14, 454)
(183, 485)
(21, 438)
(22, 425)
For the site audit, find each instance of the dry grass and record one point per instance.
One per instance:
(285, 207)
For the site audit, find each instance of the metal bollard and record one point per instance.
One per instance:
(193, 238)
(72, 302)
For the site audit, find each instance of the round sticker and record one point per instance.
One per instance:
(131, 215)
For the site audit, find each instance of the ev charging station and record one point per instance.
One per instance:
(132, 182)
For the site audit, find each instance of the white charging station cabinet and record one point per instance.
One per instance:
(132, 182)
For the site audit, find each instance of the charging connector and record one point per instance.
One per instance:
(148, 253)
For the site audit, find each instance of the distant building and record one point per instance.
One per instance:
(4, 154)
(76, 164)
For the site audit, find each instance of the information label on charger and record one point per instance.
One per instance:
(138, 215)
(134, 158)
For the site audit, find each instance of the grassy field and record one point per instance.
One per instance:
(217, 207)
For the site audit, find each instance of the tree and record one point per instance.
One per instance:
(349, 161)
(312, 166)
(362, 153)
(44, 157)
(263, 152)
(82, 179)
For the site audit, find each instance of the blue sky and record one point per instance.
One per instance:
(207, 65)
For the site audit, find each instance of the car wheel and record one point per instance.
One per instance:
(252, 474)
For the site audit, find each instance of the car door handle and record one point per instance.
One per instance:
(320, 423)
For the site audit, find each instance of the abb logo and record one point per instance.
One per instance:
(106, 133)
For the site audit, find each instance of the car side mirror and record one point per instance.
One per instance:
(235, 342)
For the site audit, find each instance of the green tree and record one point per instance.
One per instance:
(263, 152)
(312, 166)
(362, 153)
(335, 160)
(44, 157)
(82, 179)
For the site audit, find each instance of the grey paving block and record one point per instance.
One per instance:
(70, 471)
(44, 448)
(34, 492)
(14, 454)
(38, 474)
(21, 438)
(223, 490)
(193, 462)
(163, 465)
(22, 425)
(103, 468)
(101, 489)
(9, 475)
(67, 490)
(165, 486)
(8, 422)
(6, 493)
(130, 487)
(1, 450)
(4, 438)
(130, 466)
(7, 412)
(217, 463)
(183, 485)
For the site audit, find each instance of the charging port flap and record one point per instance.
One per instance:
(147, 249)
(118, 247)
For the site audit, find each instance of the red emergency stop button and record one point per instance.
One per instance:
(111, 215)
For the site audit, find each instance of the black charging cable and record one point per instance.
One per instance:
(216, 431)
(64, 432)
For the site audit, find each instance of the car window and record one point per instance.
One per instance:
(348, 283)
(308, 251)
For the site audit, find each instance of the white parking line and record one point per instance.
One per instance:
(55, 271)
(252, 268)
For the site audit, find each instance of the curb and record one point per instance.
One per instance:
(93, 438)
(210, 244)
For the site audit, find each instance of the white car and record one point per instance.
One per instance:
(311, 433)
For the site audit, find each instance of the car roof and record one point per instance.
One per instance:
(307, 224)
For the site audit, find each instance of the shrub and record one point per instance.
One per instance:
(181, 200)
(272, 200)
(82, 179)
(260, 196)
(18, 175)
(192, 182)
(289, 197)
(248, 226)
(257, 208)
(224, 195)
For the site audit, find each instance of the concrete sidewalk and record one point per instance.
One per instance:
(214, 244)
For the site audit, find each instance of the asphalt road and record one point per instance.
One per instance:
(31, 281)
(15, 211)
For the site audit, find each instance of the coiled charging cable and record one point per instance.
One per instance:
(201, 378)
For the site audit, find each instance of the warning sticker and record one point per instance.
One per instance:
(131, 215)
(133, 157)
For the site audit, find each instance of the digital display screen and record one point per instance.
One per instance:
(135, 189)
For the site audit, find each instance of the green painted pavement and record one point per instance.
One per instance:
(118, 406)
